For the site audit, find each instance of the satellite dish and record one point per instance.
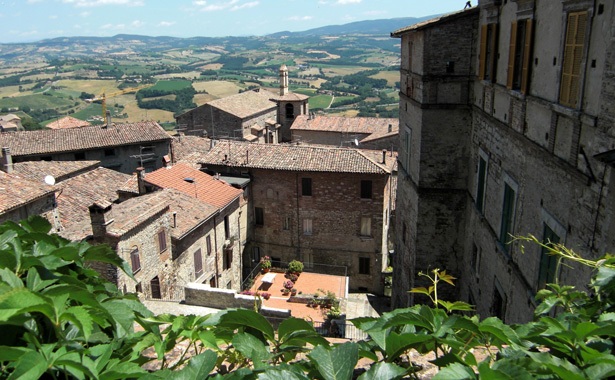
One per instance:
(50, 180)
(356, 142)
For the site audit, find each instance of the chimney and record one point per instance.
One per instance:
(108, 118)
(384, 156)
(390, 128)
(6, 160)
(174, 219)
(141, 180)
(100, 217)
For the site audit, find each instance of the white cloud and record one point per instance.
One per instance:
(232, 5)
(346, 2)
(95, 3)
(374, 13)
(85, 14)
(113, 27)
(166, 23)
(137, 24)
(33, 1)
(300, 18)
(251, 4)
(53, 17)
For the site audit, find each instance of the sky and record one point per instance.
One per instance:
(33, 20)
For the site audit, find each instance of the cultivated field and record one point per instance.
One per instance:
(217, 88)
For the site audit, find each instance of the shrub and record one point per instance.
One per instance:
(266, 262)
(292, 277)
(295, 266)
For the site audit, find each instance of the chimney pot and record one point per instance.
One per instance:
(7, 160)
(384, 156)
(141, 180)
(100, 219)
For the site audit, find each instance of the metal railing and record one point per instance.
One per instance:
(330, 328)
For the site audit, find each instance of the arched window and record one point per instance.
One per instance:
(290, 111)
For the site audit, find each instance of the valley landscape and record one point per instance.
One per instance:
(349, 70)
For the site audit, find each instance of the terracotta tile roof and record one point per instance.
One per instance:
(364, 125)
(60, 170)
(290, 97)
(434, 21)
(204, 187)
(17, 190)
(68, 122)
(76, 194)
(67, 140)
(308, 158)
(245, 104)
(186, 145)
(190, 213)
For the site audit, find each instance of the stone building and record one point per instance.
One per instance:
(10, 123)
(505, 130)
(220, 235)
(256, 116)
(366, 132)
(240, 116)
(327, 207)
(121, 147)
(67, 122)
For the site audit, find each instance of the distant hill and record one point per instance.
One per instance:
(382, 26)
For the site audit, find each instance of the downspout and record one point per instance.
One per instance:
(593, 246)
(216, 250)
(298, 220)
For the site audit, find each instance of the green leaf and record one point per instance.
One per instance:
(277, 373)
(241, 318)
(31, 365)
(36, 223)
(455, 371)
(502, 333)
(10, 278)
(22, 300)
(383, 371)
(199, 367)
(252, 348)
(291, 325)
(80, 316)
(337, 363)
(397, 344)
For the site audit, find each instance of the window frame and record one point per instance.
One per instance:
(259, 216)
(198, 263)
(308, 226)
(366, 226)
(509, 208)
(488, 52)
(135, 260)
(520, 55)
(161, 238)
(364, 266)
(306, 187)
(571, 74)
(367, 189)
(481, 184)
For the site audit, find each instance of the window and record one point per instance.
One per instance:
(307, 226)
(366, 226)
(488, 52)
(212, 282)
(548, 263)
(109, 152)
(519, 55)
(481, 184)
(155, 287)
(508, 214)
(198, 263)
(228, 258)
(290, 111)
(364, 265)
(286, 226)
(259, 216)
(256, 254)
(162, 241)
(407, 148)
(79, 156)
(475, 264)
(573, 56)
(306, 187)
(498, 307)
(208, 243)
(366, 189)
(139, 288)
(227, 227)
(135, 261)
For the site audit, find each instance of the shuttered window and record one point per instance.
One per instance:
(488, 52)
(508, 214)
(548, 263)
(519, 55)
(162, 241)
(573, 57)
(481, 184)
(135, 260)
(198, 263)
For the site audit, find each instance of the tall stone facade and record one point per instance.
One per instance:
(526, 149)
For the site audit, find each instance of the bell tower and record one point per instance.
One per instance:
(283, 80)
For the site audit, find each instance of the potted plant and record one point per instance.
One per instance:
(293, 292)
(265, 264)
(266, 295)
(289, 284)
(295, 267)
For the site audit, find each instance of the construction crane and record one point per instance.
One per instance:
(104, 96)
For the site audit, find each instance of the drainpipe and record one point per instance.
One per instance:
(298, 219)
(216, 250)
